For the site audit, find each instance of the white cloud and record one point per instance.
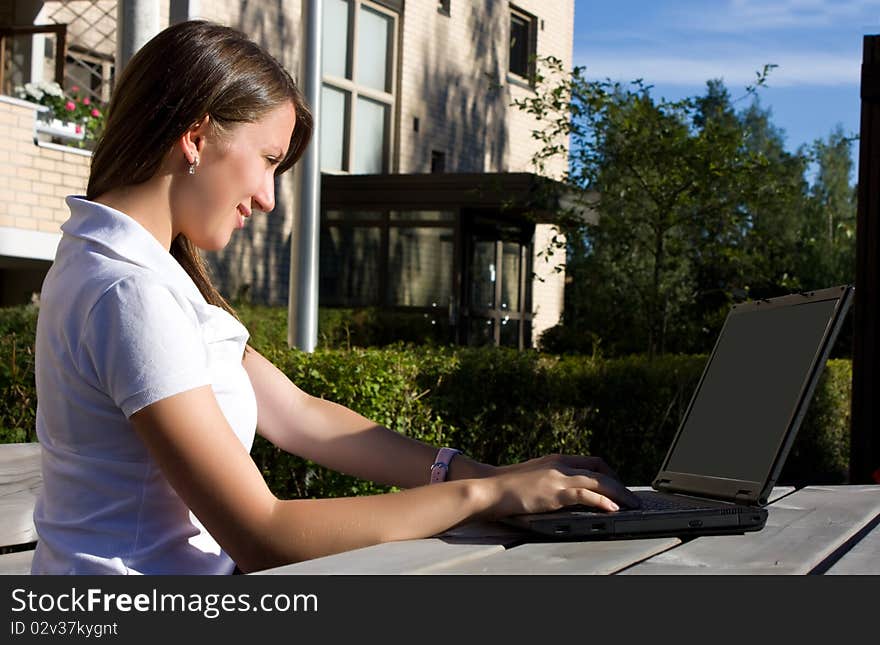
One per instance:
(808, 68)
(748, 16)
(813, 42)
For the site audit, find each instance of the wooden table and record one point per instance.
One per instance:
(830, 530)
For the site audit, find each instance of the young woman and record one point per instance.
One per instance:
(149, 397)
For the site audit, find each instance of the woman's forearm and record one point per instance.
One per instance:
(295, 530)
(339, 438)
(343, 440)
(305, 529)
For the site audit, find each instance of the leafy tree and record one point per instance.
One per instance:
(827, 248)
(775, 201)
(682, 186)
(699, 205)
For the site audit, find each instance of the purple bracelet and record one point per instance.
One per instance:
(440, 467)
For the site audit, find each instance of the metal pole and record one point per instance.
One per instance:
(302, 315)
(864, 461)
(137, 21)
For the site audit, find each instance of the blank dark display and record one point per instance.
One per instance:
(751, 390)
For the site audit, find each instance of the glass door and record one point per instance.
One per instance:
(496, 286)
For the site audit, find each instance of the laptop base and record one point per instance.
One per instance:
(581, 525)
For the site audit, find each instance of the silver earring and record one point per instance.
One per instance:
(192, 166)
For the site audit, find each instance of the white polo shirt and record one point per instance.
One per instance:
(122, 325)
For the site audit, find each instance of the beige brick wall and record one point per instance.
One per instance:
(453, 79)
(34, 180)
(449, 79)
(555, 38)
(548, 289)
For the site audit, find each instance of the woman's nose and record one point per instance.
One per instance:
(265, 198)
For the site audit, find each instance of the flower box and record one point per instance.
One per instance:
(61, 129)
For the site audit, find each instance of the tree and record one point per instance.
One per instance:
(672, 177)
(700, 205)
(776, 204)
(827, 249)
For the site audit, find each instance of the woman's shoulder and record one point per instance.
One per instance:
(141, 294)
(72, 306)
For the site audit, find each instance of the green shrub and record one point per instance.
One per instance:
(498, 405)
(267, 325)
(380, 384)
(18, 390)
(345, 328)
(820, 454)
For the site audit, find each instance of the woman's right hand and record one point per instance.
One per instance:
(549, 485)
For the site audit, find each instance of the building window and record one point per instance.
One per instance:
(438, 161)
(420, 266)
(350, 260)
(523, 44)
(398, 259)
(357, 96)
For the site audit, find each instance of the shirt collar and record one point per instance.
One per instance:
(127, 238)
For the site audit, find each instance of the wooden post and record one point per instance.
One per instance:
(864, 462)
(60, 54)
(3, 64)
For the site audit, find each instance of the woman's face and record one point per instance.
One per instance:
(235, 175)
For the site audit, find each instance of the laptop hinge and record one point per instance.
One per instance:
(662, 484)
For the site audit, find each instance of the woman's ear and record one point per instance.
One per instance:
(192, 142)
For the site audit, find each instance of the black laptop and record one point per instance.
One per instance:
(738, 428)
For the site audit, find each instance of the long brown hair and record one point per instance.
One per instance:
(185, 72)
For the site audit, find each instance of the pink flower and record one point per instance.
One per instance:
(95, 112)
(86, 101)
(70, 106)
(78, 128)
(75, 88)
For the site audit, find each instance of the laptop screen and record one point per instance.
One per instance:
(751, 390)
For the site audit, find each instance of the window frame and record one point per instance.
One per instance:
(532, 46)
(497, 232)
(352, 90)
(383, 222)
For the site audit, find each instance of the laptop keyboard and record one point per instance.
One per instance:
(653, 501)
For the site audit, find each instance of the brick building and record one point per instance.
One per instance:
(428, 204)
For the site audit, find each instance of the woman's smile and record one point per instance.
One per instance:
(243, 213)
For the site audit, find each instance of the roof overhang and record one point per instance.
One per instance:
(521, 194)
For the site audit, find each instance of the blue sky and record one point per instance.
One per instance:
(677, 45)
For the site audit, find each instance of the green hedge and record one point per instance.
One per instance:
(344, 328)
(18, 392)
(498, 405)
